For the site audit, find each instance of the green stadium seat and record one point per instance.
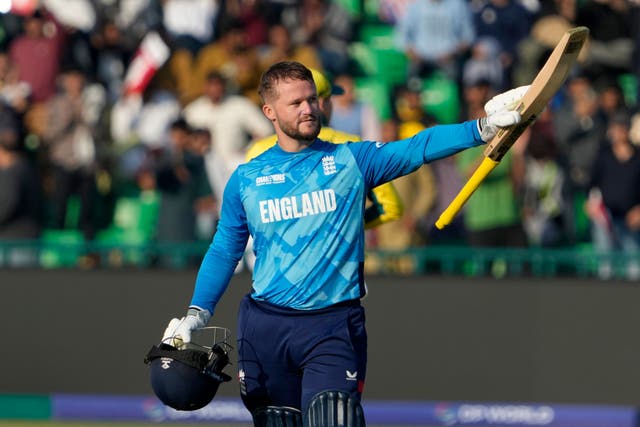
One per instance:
(378, 36)
(386, 64)
(375, 93)
(440, 98)
(133, 227)
(137, 213)
(629, 84)
(61, 248)
(370, 10)
(375, 55)
(353, 7)
(581, 221)
(72, 214)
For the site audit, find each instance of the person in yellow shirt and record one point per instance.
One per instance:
(384, 203)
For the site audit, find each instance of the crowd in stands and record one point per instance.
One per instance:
(107, 104)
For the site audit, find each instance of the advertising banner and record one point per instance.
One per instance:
(231, 410)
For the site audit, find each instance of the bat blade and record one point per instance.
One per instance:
(546, 83)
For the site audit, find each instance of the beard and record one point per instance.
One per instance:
(293, 131)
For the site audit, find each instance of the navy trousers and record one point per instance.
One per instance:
(287, 356)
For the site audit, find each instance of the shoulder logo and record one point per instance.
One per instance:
(277, 178)
(352, 376)
(379, 144)
(329, 165)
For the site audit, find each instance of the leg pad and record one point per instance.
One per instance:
(276, 416)
(334, 409)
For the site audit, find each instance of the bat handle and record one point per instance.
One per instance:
(467, 190)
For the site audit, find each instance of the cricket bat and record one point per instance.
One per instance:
(549, 79)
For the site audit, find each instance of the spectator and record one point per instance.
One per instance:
(390, 11)
(610, 46)
(448, 183)
(19, 195)
(282, 48)
(327, 26)
(555, 18)
(181, 179)
(436, 36)
(252, 16)
(112, 58)
(139, 127)
(614, 206)
(484, 64)
(407, 105)
(543, 185)
(447, 172)
(134, 18)
(610, 99)
(233, 121)
(508, 23)
(417, 192)
(72, 116)
(190, 24)
(229, 56)
(13, 92)
(207, 208)
(352, 115)
(491, 216)
(579, 128)
(36, 54)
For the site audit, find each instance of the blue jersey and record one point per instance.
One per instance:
(304, 211)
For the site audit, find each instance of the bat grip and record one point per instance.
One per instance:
(467, 190)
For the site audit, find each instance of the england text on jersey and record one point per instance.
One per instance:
(313, 203)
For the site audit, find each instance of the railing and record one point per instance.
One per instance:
(581, 261)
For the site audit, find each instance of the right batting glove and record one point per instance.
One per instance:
(178, 331)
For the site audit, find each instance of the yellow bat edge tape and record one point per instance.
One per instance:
(467, 190)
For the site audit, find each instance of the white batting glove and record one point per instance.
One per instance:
(500, 112)
(505, 101)
(490, 125)
(178, 332)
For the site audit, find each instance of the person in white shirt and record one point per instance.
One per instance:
(233, 121)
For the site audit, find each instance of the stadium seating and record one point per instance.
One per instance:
(629, 84)
(376, 56)
(62, 247)
(440, 97)
(133, 228)
(376, 93)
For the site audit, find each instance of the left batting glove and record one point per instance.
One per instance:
(178, 331)
(489, 126)
(500, 112)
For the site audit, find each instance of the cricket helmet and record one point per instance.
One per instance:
(188, 378)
